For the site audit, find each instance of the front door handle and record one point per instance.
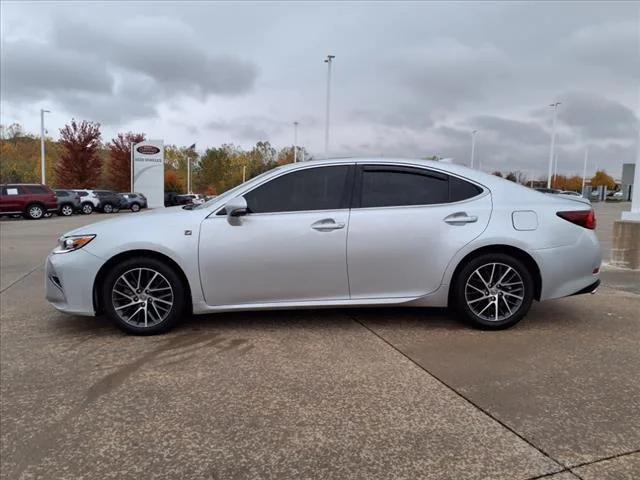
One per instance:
(327, 225)
(460, 218)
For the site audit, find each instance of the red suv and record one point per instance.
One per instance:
(29, 200)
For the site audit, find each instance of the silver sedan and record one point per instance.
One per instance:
(339, 233)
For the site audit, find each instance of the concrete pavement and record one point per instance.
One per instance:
(380, 393)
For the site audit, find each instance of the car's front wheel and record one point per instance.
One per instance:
(66, 210)
(107, 208)
(143, 296)
(87, 208)
(493, 291)
(135, 207)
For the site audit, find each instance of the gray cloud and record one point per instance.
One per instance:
(166, 50)
(596, 117)
(511, 131)
(33, 70)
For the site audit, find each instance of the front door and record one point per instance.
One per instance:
(290, 247)
(407, 224)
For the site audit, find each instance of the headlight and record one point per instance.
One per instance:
(73, 242)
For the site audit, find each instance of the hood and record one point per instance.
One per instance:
(143, 220)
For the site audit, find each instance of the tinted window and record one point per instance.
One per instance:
(82, 194)
(461, 190)
(37, 189)
(62, 193)
(321, 188)
(395, 186)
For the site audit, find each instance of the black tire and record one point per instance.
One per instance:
(178, 290)
(135, 207)
(34, 211)
(518, 284)
(107, 208)
(87, 208)
(65, 210)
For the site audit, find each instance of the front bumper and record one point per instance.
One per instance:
(69, 279)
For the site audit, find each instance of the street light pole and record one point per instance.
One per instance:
(584, 169)
(473, 145)
(328, 61)
(295, 142)
(42, 157)
(553, 141)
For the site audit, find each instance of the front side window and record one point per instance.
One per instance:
(320, 188)
(62, 193)
(391, 186)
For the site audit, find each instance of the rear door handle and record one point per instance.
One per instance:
(460, 218)
(327, 225)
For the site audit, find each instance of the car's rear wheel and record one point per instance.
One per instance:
(107, 208)
(34, 212)
(87, 208)
(493, 291)
(135, 207)
(66, 210)
(143, 296)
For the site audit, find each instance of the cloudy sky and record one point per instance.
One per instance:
(409, 79)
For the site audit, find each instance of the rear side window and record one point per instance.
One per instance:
(37, 189)
(398, 186)
(392, 186)
(320, 188)
(62, 193)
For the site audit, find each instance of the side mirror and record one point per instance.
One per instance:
(235, 208)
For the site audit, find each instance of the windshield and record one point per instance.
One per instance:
(229, 193)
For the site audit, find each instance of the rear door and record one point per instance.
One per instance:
(406, 225)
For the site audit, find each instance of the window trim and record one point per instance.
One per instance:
(362, 167)
(345, 201)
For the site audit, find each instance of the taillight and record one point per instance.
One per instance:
(583, 218)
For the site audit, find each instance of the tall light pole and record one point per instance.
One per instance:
(42, 157)
(295, 142)
(584, 169)
(328, 61)
(473, 145)
(553, 141)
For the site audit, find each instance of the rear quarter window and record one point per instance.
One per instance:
(462, 190)
(38, 190)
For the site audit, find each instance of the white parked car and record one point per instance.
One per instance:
(88, 201)
(341, 233)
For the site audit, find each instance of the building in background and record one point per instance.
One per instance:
(628, 171)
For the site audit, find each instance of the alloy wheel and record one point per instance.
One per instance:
(107, 208)
(135, 207)
(87, 208)
(142, 297)
(494, 292)
(66, 210)
(36, 211)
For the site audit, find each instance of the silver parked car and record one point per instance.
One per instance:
(336, 233)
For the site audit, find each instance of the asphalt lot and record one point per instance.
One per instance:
(368, 393)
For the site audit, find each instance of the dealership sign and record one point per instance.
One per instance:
(148, 171)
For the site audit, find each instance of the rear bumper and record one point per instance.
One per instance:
(570, 269)
(589, 289)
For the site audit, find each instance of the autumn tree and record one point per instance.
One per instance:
(80, 162)
(497, 174)
(119, 164)
(172, 183)
(601, 178)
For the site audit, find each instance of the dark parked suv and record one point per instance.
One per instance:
(110, 202)
(135, 201)
(68, 202)
(29, 200)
